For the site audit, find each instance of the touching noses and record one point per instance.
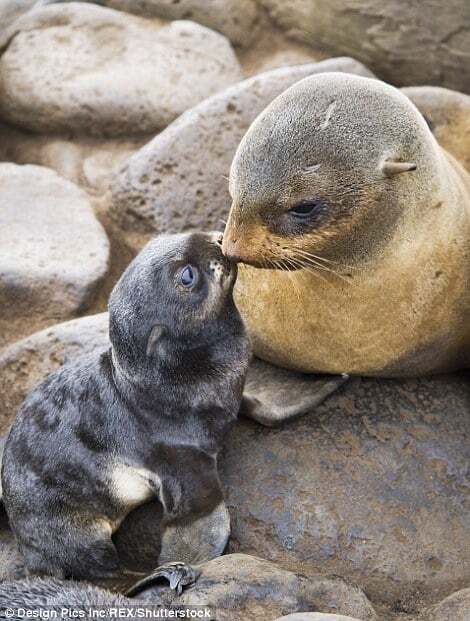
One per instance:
(230, 247)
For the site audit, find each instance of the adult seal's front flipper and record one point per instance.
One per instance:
(273, 395)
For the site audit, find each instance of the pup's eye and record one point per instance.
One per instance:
(306, 209)
(188, 276)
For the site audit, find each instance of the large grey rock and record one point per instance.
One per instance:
(233, 18)
(178, 181)
(448, 115)
(238, 586)
(94, 70)
(27, 362)
(54, 251)
(372, 486)
(405, 43)
(456, 607)
(367, 487)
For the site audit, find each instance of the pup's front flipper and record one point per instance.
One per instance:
(274, 395)
(178, 575)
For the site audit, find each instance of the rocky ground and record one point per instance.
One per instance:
(119, 120)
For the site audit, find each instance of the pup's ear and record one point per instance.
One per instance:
(155, 334)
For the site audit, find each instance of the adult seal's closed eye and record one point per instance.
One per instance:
(143, 421)
(341, 187)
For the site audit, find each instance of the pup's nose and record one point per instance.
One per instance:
(217, 236)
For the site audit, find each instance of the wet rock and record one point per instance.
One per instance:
(54, 251)
(367, 487)
(89, 69)
(178, 181)
(456, 607)
(233, 18)
(448, 115)
(26, 363)
(401, 42)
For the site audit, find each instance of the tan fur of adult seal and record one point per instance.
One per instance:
(385, 288)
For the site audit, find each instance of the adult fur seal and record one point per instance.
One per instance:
(144, 420)
(341, 187)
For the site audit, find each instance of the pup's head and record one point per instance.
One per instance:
(175, 295)
(329, 167)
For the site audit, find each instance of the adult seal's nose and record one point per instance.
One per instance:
(230, 248)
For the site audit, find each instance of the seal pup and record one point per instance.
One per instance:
(341, 189)
(144, 420)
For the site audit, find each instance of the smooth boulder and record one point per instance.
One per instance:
(178, 181)
(55, 253)
(456, 607)
(405, 43)
(448, 115)
(87, 161)
(243, 584)
(235, 19)
(27, 362)
(92, 70)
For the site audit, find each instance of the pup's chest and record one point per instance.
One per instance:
(131, 486)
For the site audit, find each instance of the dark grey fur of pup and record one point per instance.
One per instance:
(144, 420)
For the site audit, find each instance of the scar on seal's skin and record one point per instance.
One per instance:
(329, 112)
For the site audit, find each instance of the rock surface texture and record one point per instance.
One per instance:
(367, 487)
(456, 607)
(87, 161)
(404, 43)
(63, 255)
(239, 586)
(235, 19)
(448, 115)
(94, 70)
(26, 363)
(178, 181)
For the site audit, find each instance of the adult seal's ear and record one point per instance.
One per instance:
(155, 335)
(390, 168)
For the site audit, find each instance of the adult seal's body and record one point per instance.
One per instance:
(143, 421)
(340, 186)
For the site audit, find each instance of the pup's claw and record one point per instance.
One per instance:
(178, 575)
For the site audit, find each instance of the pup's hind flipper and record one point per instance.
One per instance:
(273, 395)
(177, 574)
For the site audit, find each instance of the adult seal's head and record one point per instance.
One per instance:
(341, 188)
